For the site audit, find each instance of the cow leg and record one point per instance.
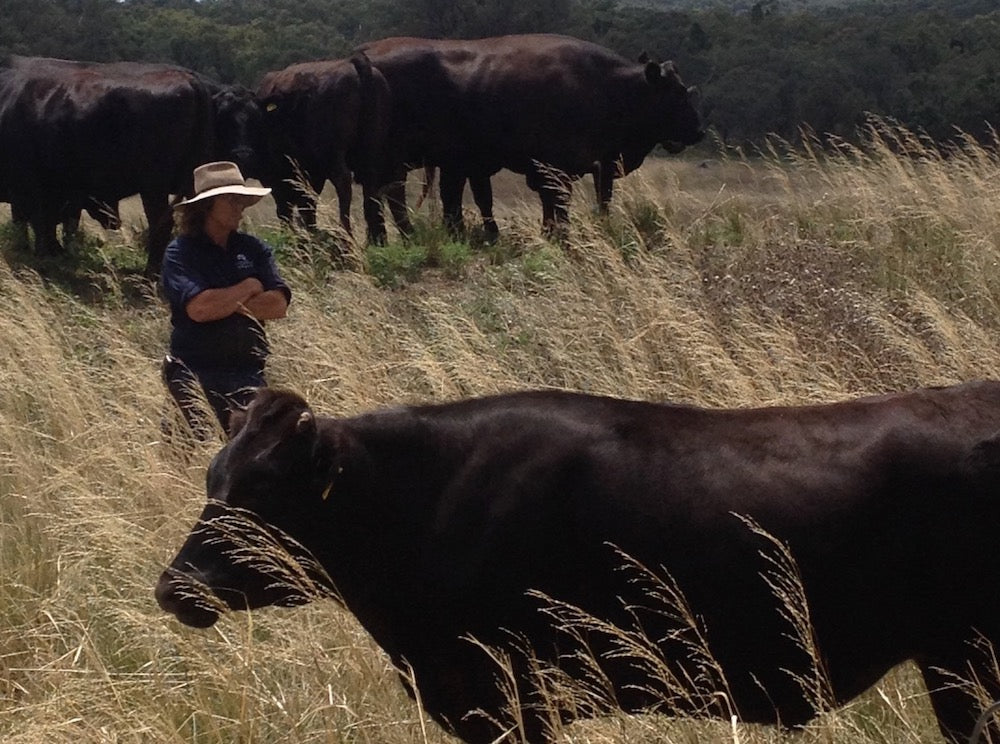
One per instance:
(342, 183)
(284, 202)
(308, 199)
(20, 222)
(534, 182)
(21, 240)
(554, 190)
(291, 199)
(465, 675)
(452, 185)
(562, 190)
(482, 192)
(604, 179)
(372, 207)
(307, 211)
(46, 242)
(70, 224)
(955, 700)
(160, 225)
(395, 195)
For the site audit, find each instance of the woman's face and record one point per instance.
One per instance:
(226, 212)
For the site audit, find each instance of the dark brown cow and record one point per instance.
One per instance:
(440, 524)
(324, 121)
(77, 133)
(551, 107)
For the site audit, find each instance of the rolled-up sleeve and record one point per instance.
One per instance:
(180, 281)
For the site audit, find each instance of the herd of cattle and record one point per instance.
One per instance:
(815, 548)
(81, 136)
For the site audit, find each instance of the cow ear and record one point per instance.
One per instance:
(644, 57)
(306, 424)
(654, 73)
(237, 420)
(330, 459)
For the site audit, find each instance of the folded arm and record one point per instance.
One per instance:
(268, 305)
(215, 304)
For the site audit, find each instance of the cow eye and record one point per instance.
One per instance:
(253, 489)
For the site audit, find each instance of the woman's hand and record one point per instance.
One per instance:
(215, 304)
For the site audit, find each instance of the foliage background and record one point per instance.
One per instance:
(768, 66)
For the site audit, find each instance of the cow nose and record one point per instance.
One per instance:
(246, 158)
(166, 593)
(180, 597)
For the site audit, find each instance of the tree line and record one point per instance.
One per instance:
(764, 67)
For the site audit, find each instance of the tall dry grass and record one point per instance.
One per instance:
(806, 275)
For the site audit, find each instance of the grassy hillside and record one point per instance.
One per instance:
(788, 279)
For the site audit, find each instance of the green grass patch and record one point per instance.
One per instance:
(394, 264)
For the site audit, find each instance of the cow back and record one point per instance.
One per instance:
(514, 101)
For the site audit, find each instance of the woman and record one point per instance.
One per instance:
(222, 284)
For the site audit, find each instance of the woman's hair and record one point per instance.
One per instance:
(190, 218)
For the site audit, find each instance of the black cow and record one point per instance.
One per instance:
(509, 519)
(551, 107)
(77, 133)
(324, 121)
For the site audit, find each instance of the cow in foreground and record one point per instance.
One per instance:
(78, 134)
(534, 523)
(551, 107)
(322, 121)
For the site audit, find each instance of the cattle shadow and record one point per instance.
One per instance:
(88, 268)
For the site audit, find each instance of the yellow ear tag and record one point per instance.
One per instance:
(271, 107)
(326, 491)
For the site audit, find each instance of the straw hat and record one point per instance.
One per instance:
(223, 177)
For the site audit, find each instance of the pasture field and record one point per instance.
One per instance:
(789, 278)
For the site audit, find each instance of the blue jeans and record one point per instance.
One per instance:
(226, 390)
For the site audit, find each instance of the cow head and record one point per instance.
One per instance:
(238, 127)
(284, 162)
(675, 106)
(253, 544)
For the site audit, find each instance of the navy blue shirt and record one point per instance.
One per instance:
(192, 265)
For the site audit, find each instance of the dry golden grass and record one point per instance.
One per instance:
(799, 277)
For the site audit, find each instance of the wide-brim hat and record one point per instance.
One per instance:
(222, 177)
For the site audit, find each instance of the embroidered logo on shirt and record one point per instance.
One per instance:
(243, 263)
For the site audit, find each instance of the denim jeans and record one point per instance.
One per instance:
(226, 389)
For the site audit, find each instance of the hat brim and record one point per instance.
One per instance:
(255, 192)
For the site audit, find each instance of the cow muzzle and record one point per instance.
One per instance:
(675, 146)
(191, 602)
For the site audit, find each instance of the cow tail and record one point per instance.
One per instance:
(368, 124)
